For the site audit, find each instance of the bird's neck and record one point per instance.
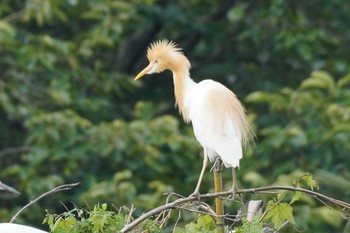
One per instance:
(182, 86)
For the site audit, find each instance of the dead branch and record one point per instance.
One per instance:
(55, 190)
(14, 150)
(7, 191)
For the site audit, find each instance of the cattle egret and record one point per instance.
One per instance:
(17, 228)
(218, 118)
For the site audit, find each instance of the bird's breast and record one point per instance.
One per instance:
(210, 110)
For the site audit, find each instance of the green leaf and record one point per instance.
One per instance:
(191, 227)
(179, 230)
(311, 182)
(296, 197)
(344, 81)
(318, 80)
(237, 12)
(255, 226)
(6, 28)
(281, 195)
(305, 51)
(64, 225)
(259, 97)
(205, 222)
(279, 213)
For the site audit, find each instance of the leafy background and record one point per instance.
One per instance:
(71, 112)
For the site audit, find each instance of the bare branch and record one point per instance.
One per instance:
(7, 191)
(280, 228)
(130, 214)
(177, 221)
(55, 190)
(294, 189)
(179, 202)
(15, 16)
(14, 150)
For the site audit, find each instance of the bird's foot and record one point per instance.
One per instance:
(233, 190)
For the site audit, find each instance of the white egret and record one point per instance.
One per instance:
(218, 117)
(17, 228)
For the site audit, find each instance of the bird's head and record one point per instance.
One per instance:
(162, 55)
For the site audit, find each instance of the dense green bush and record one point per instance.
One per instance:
(70, 111)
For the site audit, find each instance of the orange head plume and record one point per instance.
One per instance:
(162, 55)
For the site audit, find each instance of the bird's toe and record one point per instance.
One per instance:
(233, 193)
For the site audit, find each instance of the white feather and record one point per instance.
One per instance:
(17, 228)
(218, 118)
(213, 123)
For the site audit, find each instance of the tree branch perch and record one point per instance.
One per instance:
(177, 203)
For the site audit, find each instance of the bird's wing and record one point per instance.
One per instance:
(218, 120)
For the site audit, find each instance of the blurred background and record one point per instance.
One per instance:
(71, 112)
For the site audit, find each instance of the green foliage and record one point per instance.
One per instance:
(279, 212)
(308, 124)
(204, 223)
(71, 112)
(254, 226)
(78, 220)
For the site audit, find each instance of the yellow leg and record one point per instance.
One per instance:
(205, 163)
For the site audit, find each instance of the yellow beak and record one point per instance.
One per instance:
(143, 72)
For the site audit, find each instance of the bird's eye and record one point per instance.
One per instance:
(156, 61)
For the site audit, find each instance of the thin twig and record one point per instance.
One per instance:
(330, 207)
(177, 221)
(207, 209)
(14, 16)
(7, 191)
(198, 211)
(130, 214)
(169, 194)
(166, 215)
(55, 190)
(14, 150)
(280, 228)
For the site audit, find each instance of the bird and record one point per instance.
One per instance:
(18, 228)
(218, 118)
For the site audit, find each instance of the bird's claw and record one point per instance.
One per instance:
(233, 190)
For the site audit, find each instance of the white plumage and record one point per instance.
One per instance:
(218, 118)
(17, 228)
(215, 130)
